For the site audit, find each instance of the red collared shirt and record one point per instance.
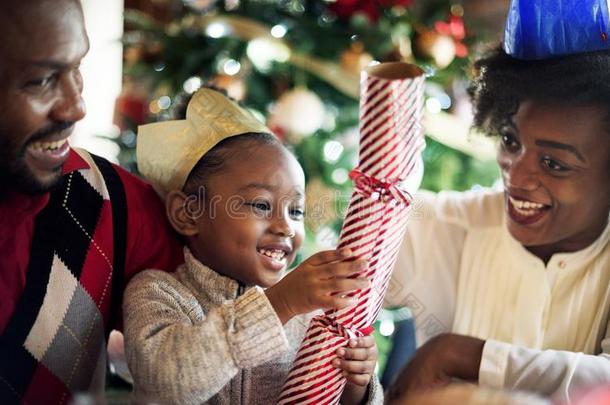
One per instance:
(150, 241)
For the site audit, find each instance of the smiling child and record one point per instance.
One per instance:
(225, 327)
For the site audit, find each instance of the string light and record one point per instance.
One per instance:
(386, 327)
(278, 31)
(231, 67)
(262, 52)
(332, 151)
(192, 84)
(340, 175)
(216, 30)
(164, 102)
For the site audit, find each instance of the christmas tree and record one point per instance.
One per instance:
(296, 64)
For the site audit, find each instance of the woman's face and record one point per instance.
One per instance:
(555, 164)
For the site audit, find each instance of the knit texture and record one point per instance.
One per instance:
(191, 338)
(54, 344)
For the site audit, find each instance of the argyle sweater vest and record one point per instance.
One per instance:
(55, 343)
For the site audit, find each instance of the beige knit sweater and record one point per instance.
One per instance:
(194, 337)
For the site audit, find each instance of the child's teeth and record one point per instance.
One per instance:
(274, 254)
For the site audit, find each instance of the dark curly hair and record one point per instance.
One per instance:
(502, 82)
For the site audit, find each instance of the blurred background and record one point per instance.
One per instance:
(295, 64)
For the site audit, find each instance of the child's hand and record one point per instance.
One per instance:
(310, 286)
(357, 360)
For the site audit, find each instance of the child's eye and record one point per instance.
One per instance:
(553, 165)
(297, 214)
(259, 205)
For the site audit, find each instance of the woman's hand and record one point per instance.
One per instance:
(357, 360)
(437, 362)
(320, 282)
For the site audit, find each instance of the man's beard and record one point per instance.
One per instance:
(14, 172)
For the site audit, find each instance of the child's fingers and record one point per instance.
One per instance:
(355, 366)
(359, 353)
(358, 379)
(364, 341)
(337, 302)
(329, 256)
(343, 269)
(356, 372)
(344, 285)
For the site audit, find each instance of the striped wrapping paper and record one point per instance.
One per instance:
(391, 143)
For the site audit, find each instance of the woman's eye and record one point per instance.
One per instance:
(554, 165)
(509, 142)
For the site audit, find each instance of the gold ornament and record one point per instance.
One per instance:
(440, 48)
(355, 58)
(438, 125)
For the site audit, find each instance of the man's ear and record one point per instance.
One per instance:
(182, 212)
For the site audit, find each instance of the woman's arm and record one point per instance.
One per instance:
(439, 361)
(179, 354)
(547, 372)
(501, 365)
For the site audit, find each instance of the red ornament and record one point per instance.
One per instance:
(130, 111)
(345, 9)
(456, 29)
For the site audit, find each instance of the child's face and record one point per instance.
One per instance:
(253, 225)
(555, 163)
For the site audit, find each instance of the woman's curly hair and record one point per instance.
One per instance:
(502, 82)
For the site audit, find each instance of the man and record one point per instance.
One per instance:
(73, 228)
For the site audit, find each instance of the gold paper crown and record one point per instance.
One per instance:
(167, 151)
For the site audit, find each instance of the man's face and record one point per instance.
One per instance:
(40, 90)
(555, 163)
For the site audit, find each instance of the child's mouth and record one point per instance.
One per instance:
(275, 254)
(274, 259)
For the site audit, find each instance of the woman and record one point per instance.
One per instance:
(512, 288)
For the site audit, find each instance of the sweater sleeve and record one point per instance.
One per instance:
(548, 372)
(375, 394)
(178, 354)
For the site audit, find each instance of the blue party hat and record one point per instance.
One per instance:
(540, 29)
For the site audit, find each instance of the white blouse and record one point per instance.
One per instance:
(546, 327)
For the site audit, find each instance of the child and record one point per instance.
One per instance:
(210, 332)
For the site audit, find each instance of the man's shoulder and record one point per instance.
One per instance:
(134, 185)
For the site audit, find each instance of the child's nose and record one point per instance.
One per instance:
(282, 226)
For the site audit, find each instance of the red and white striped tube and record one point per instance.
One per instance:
(391, 143)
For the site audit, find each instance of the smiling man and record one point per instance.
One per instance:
(73, 227)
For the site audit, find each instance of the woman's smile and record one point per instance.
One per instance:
(526, 212)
